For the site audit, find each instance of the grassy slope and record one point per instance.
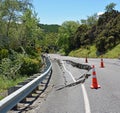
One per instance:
(6, 83)
(82, 52)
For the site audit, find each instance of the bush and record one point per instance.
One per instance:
(30, 66)
(3, 53)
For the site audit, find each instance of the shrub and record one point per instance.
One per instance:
(3, 53)
(30, 66)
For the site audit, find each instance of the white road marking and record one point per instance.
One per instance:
(68, 72)
(86, 100)
(85, 96)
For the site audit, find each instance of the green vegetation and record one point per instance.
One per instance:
(19, 42)
(84, 52)
(66, 36)
(49, 28)
(48, 38)
(30, 66)
(102, 33)
(91, 52)
(95, 36)
(23, 39)
(7, 83)
(113, 53)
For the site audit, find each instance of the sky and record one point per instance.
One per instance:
(59, 11)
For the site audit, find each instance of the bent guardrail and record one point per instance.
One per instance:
(11, 100)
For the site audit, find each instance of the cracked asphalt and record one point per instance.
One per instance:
(63, 95)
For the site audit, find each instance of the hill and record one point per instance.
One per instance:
(49, 28)
(82, 52)
(104, 36)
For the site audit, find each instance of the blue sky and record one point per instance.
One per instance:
(59, 11)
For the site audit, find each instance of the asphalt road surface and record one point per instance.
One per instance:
(80, 98)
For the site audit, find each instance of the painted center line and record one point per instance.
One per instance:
(85, 96)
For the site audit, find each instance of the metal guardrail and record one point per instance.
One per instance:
(11, 100)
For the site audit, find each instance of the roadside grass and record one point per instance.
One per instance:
(5, 84)
(83, 52)
(1, 97)
(114, 53)
(91, 52)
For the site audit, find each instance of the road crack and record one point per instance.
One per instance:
(79, 80)
(75, 83)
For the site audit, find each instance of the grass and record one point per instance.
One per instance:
(114, 53)
(83, 52)
(1, 97)
(91, 52)
(7, 83)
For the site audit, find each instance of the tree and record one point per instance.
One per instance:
(18, 23)
(83, 21)
(49, 43)
(110, 7)
(29, 29)
(107, 31)
(65, 35)
(80, 38)
(10, 19)
(91, 20)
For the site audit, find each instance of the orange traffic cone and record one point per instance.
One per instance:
(86, 61)
(102, 63)
(94, 84)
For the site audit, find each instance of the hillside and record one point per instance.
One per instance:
(82, 52)
(49, 28)
(104, 37)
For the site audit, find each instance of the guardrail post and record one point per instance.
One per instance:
(37, 88)
(24, 100)
(15, 107)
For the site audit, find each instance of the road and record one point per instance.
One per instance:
(81, 98)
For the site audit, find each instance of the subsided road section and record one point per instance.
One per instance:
(71, 99)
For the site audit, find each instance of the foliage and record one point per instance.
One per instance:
(49, 42)
(113, 53)
(7, 83)
(91, 20)
(3, 53)
(84, 52)
(65, 35)
(72, 35)
(19, 41)
(104, 33)
(30, 29)
(17, 64)
(49, 28)
(29, 66)
(10, 66)
(109, 37)
(110, 7)
(80, 37)
(10, 20)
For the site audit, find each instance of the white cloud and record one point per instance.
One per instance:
(100, 13)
